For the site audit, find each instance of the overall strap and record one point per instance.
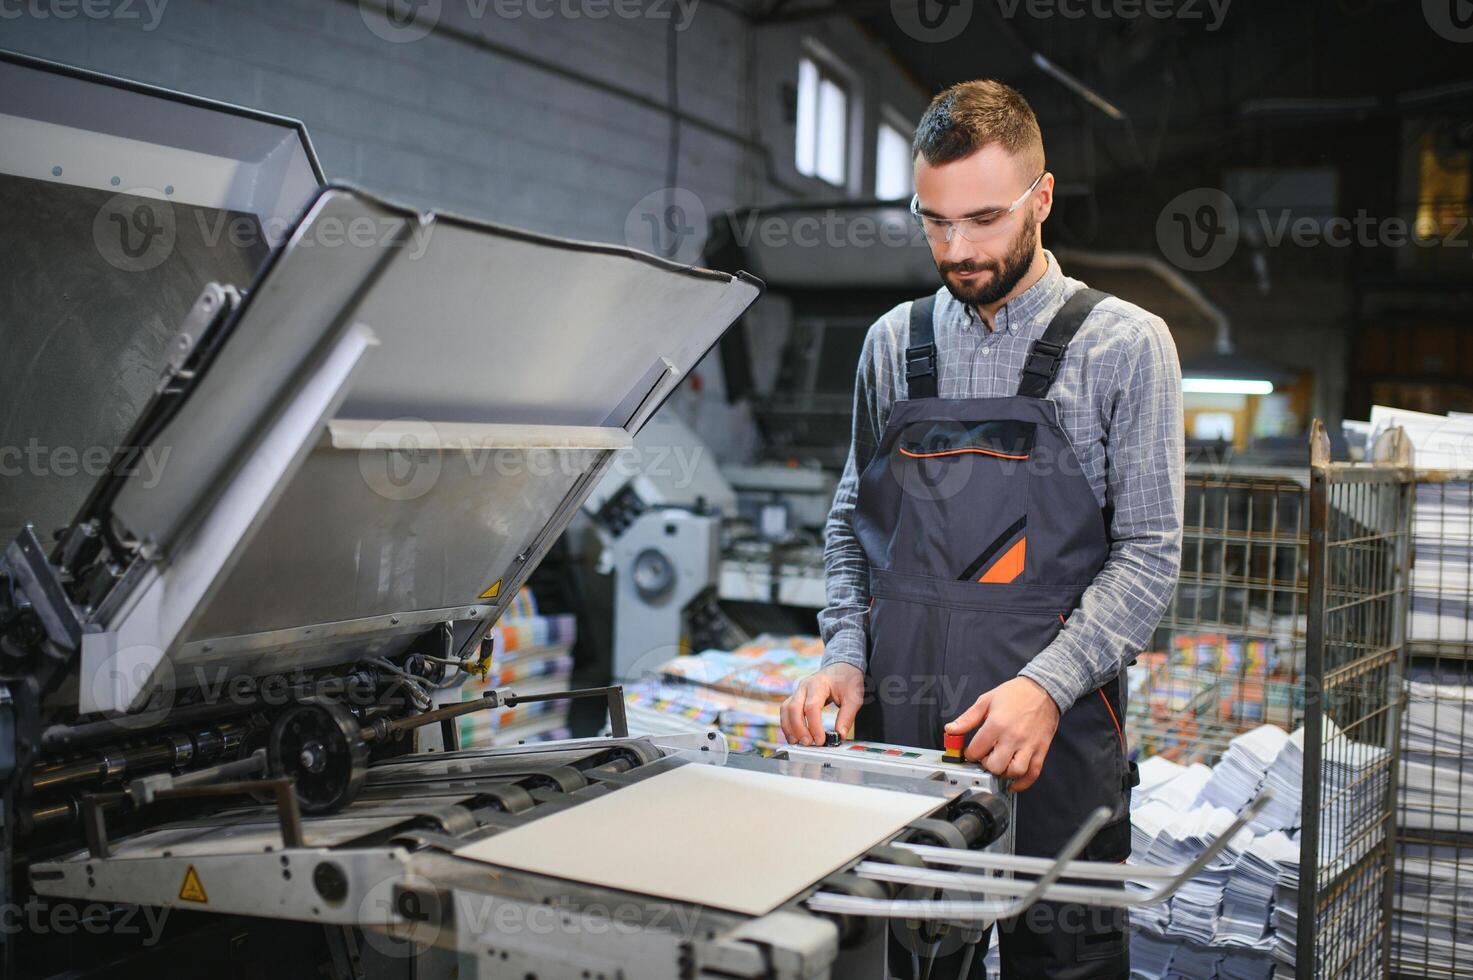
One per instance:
(1047, 352)
(920, 355)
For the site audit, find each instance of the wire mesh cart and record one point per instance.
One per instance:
(1292, 610)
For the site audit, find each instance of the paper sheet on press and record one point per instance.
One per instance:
(709, 835)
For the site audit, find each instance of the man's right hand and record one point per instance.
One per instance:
(802, 714)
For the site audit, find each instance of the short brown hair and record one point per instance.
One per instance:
(971, 115)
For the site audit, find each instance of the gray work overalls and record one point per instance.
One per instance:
(981, 533)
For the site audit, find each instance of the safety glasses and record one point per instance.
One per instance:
(974, 228)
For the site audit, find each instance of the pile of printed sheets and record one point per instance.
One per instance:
(738, 693)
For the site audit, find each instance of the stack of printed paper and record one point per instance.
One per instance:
(532, 653)
(1436, 769)
(1239, 918)
(1432, 924)
(1237, 778)
(1285, 780)
(737, 692)
(1247, 903)
(1286, 909)
(1442, 524)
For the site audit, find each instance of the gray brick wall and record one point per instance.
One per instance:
(476, 128)
(470, 119)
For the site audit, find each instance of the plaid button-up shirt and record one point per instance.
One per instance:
(1119, 399)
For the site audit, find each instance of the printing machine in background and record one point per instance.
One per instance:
(219, 647)
(703, 555)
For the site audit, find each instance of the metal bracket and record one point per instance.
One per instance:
(33, 573)
(215, 301)
(94, 815)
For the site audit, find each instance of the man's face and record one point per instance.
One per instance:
(982, 272)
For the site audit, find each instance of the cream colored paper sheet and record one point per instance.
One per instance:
(729, 838)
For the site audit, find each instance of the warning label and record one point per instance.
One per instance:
(192, 890)
(493, 590)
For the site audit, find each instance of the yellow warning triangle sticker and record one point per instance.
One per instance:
(192, 890)
(493, 590)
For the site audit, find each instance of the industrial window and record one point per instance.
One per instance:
(823, 123)
(892, 163)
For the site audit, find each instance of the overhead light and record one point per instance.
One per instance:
(1226, 386)
(1227, 373)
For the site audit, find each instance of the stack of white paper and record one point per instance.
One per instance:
(1150, 955)
(1440, 441)
(1237, 966)
(1436, 785)
(1432, 914)
(1247, 906)
(1194, 908)
(1286, 908)
(1238, 777)
(1432, 924)
(1442, 524)
(1354, 783)
(1436, 797)
(1154, 773)
(1239, 918)
(1179, 792)
(1193, 963)
(1147, 822)
(1285, 778)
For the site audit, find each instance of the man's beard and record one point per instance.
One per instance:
(1014, 267)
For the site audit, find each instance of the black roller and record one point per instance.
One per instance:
(317, 743)
(981, 817)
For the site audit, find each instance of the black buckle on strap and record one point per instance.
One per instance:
(1045, 349)
(920, 361)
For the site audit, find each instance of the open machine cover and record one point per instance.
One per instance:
(121, 202)
(407, 410)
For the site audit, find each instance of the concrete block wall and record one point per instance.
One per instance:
(539, 114)
(536, 113)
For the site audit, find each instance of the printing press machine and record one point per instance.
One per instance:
(216, 673)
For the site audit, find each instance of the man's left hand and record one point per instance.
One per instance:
(1018, 720)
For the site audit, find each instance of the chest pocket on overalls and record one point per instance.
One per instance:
(964, 498)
